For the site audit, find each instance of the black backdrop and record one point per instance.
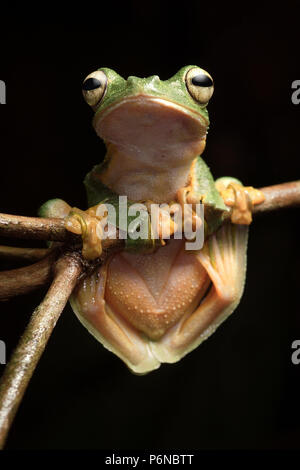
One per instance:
(239, 389)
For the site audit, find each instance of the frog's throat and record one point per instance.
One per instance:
(141, 122)
(152, 144)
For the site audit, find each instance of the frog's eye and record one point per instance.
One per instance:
(200, 85)
(94, 87)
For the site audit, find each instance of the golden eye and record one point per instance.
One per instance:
(200, 85)
(94, 87)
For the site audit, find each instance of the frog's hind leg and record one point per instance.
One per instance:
(112, 331)
(224, 258)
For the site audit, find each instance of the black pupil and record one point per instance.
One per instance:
(202, 80)
(91, 84)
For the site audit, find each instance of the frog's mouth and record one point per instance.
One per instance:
(152, 127)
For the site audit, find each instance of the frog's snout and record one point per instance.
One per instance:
(134, 82)
(140, 84)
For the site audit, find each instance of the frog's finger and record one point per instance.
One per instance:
(240, 198)
(90, 229)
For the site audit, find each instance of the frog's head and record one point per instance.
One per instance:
(149, 116)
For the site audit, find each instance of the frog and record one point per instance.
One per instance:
(154, 302)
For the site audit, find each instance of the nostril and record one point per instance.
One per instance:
(154, 79)
(132, 79)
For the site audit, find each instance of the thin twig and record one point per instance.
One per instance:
(24, 280)
(32, 344)
(21, 281)
(13, 253)
(35, 228)
(279, 197)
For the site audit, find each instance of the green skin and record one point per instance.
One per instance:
(174, 90)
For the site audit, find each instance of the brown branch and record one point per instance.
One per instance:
(33, 342)
(23, 280)
(35, 228)
(13, 253)
(279, 196)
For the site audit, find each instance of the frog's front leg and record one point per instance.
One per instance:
(224, 258)
(84, 223)
(240, 198)
(88, 225)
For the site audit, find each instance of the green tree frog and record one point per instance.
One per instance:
(155, 307)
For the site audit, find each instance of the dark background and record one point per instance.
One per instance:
(239, 389)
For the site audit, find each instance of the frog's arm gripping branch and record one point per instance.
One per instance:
(65, 265)
(54, 229)
(20, 281)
